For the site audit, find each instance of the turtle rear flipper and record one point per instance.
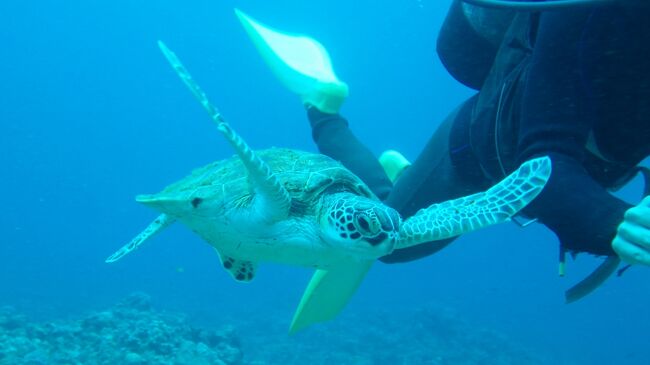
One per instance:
(327, 294)
(163, 221)
(240, 270)
(466, 214)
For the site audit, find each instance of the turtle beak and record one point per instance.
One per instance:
(167, 205)
(390, 221)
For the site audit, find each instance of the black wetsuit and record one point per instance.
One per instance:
(582, 98)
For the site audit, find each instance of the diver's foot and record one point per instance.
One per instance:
(327, 97)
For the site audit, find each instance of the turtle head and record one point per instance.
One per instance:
(355, 223)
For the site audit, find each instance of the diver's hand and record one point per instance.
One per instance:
(632, 241)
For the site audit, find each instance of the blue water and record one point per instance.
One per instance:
(91, 115)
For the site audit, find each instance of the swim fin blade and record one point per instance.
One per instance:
(301, 63)
(328, 293)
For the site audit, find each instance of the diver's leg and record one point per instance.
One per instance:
(304, 67)
(336, 140)
(435, 176)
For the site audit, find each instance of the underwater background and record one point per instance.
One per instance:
(91, 115)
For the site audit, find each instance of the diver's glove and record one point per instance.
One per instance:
(632, 241)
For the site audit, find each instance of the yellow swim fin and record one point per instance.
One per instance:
(300, 62)
(394, 164)
(327, 294)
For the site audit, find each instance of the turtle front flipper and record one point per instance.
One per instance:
(273, 200)
(496, 205)
(327, 294)
(163, 221)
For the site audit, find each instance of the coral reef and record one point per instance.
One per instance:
(133, 333)
(129, 333)
(432, 335)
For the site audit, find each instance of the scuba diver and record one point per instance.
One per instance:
(570, 83)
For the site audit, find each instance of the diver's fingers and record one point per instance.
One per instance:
(639, 214)
(631, 243)
(631, 253)
(636, 234)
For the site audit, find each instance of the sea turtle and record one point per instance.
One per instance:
(298, 208)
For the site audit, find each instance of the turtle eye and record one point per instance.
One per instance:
(196, 202)
(367, 225)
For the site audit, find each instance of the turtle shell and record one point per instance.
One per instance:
(306, 176)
